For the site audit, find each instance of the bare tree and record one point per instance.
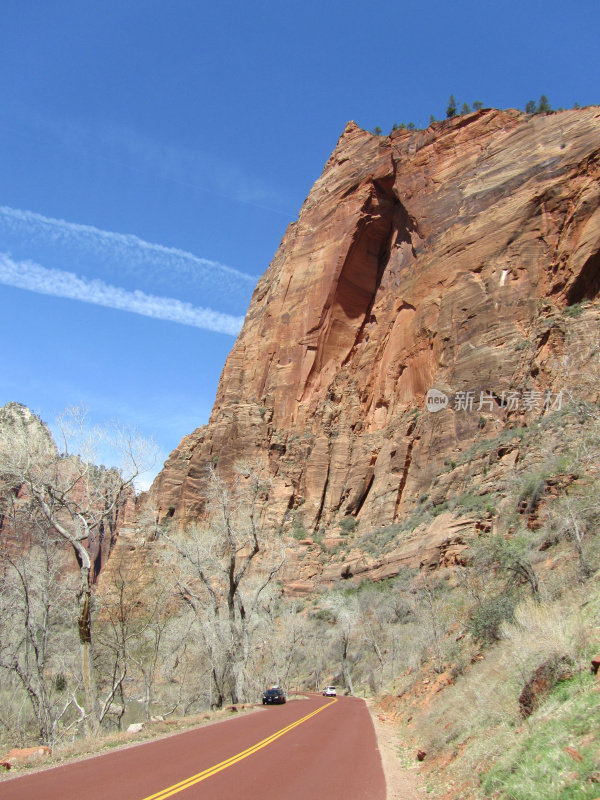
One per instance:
(346, 613)
(575, 518)
(225, 571)
(36, 602)
(377, 611)
(575, 515)
(133, 614)
(67, 491)
(428, 610)
(284, 646)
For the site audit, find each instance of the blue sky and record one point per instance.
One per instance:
(152, 154)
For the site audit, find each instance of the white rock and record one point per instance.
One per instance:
(135, 727)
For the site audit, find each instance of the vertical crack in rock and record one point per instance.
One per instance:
(364, 495)
(404, 478)
(323, 496)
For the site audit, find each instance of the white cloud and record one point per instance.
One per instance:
(35, 278)
(132, 255)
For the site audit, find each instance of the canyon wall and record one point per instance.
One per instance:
(442, 258)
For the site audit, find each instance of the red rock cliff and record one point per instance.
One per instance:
(432, 258)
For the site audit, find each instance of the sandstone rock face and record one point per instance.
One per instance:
(439, 258)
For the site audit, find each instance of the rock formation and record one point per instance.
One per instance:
(442, 258)
(21, 522)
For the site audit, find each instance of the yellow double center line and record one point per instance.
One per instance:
(207, 773)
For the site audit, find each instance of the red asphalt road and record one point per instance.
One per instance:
(333, 756)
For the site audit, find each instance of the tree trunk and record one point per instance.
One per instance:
(85, 637)
(345, 665)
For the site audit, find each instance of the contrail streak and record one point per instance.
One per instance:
(127, 254)
(58, 283)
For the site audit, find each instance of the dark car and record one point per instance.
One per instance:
(274, 695)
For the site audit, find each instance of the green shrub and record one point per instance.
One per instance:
(299, 531)
(486, 621)
(574, 311)
(476, 503)
(510, 557)
(381, 539)
(532, 491)
(348, 524)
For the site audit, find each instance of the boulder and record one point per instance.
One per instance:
(27, 755)
(135, 727)
(543, 680)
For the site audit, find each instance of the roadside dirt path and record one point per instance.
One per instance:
(403, 783)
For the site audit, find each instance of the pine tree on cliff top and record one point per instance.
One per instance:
(451, 109)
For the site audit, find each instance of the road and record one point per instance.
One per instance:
(313, 748)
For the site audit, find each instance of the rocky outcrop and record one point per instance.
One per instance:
(543, 680)
(22, 522)
(438, 543)
(439, 258)
(16, 418)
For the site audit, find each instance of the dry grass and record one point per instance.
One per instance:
(477, 721)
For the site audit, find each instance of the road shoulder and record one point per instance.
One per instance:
(402, 783)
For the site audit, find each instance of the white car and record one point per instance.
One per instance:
(329, 691)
